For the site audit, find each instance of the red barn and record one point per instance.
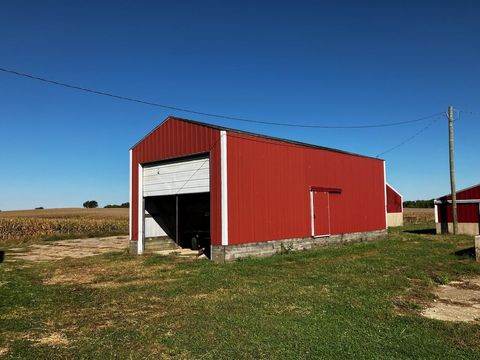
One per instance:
(394, 207)
(236, 194)
(468, 212)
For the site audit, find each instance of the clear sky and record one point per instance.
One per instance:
(318, 62)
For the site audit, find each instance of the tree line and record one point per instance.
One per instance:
(92, 204)
(418, 204)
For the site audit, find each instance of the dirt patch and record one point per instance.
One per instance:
(3, 351)
(70, 279)
(77, 248)
(219, 294)
(54, 340)
(117, 284)
(456, 301)
(78, 276)
(107, 276)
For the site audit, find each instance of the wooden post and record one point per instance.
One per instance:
(452, 169)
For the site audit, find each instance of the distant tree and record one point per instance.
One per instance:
(418, 203)
(39, 208)
(114, 206)
(90, 204)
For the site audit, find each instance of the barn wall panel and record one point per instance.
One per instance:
(467, 194)
(466, 213)
(175, 139)
(394, 201)
(269, 183)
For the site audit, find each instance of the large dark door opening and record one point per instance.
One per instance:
(185, 218)
(163, 211)
(194, 221)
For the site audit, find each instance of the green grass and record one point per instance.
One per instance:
(358, 301)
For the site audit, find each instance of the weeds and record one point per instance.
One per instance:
(410, 305)
(441, 279)
(286, 248)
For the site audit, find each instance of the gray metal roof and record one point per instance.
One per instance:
(288, 141)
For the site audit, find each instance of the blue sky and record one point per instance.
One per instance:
(323, 62)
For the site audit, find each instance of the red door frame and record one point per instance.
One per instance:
(315, 215)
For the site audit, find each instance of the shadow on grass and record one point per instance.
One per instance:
(428, 231)
(469, 252)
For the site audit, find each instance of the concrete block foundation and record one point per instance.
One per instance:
(463, 228)
(133, 247)
(269, 248)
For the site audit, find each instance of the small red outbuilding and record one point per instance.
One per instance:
(468, 212)
(238, 194)
(394, 207)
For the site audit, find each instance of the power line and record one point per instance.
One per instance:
(409, 138)
(468, 112)
(219, 116)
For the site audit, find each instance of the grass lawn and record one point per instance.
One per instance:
(359, 301)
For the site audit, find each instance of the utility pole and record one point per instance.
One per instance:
(452, 169)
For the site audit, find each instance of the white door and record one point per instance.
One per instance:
(182, 177)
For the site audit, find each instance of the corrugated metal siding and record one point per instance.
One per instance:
(174, 139)
(394, 201)
(466, 213)
(471, 193)
(183, 177)
(269, 183)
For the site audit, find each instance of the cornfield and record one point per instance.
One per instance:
(19, 228)
(418, 215)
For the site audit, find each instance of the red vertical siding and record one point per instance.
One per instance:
(467, 194)
(269, 182)
(394, 201)
(466, 213)
(172, 139)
